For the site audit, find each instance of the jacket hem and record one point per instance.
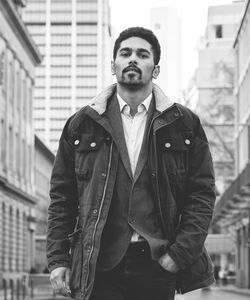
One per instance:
(201, 284)
(78, 296)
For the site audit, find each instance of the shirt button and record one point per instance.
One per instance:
(187, 142)
(167, 145)
(92, 145)
(76, 142)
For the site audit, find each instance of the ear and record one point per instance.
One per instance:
(112, 67)
(156, 71)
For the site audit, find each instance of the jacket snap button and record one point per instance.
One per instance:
(95, 211)
(92, 145)
(76, 142)
(103, 174)
(176, 114)
(167, 145)
(187, 142)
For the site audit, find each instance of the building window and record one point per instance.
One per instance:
(18, 156)
(10, 83)
(24, 98)
(248, 139)
(17, 240)
(24, 236)
(10, 150)
(2, 63)
(24, 159)
(3, 142)
(218, 31)
(3, 236)
(10, 238)
(18, 90)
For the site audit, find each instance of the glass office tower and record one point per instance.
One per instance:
(74, 38)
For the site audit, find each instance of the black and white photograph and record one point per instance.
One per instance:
(124, 149)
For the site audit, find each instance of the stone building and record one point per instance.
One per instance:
(18, 57)
(44, 159)
(232, 212)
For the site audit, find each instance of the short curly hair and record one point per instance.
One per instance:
(143, 33)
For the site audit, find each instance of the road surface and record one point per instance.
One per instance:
(212, 294)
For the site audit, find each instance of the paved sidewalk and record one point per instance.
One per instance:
(232, 289)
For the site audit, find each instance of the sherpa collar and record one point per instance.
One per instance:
(99, 103)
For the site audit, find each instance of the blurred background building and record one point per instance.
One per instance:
(165, 23)
(44, 159)
(232, 212)
(74, 39)
(18, 58)
(219, 93)
(211, 91)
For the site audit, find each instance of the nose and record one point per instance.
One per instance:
(133, 59)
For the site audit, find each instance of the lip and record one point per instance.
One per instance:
(132, 69)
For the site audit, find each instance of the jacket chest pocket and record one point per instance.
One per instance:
(87, 147)
(174, 152)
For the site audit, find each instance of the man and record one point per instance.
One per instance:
(132, 189)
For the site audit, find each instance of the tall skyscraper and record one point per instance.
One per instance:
(74, 39)
(166, 25)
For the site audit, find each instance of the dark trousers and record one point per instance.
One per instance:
(137, 277)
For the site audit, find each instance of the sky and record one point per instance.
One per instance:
(193, 16)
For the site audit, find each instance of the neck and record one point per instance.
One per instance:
(134, 97)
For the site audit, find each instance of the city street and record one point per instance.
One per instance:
(212, 294)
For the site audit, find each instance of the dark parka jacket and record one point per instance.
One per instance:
(83, 179)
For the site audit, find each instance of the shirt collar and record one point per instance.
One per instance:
(146, 102)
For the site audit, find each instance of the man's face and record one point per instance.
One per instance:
(134, 63)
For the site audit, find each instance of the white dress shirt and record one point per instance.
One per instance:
(134, 128)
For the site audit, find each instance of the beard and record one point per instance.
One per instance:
(131, 78)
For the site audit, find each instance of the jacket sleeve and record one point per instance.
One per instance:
(63, 208)
(198, 202)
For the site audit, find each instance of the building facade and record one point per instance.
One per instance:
(74, 39)
(18, 58)
(44, 160)
(232, 211)
(211, 90)
(165, 23)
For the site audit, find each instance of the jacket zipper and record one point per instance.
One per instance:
(99, 215)
(157, 185)
(156, 164)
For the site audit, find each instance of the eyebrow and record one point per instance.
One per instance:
(138, 50)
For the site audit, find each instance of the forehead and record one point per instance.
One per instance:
(136, 43)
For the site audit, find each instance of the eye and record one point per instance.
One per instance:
(143, 55)
(124, 53)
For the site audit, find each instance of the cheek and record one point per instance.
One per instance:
(148, 70)
(118, 69)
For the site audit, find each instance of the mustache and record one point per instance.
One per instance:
(132, 68)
